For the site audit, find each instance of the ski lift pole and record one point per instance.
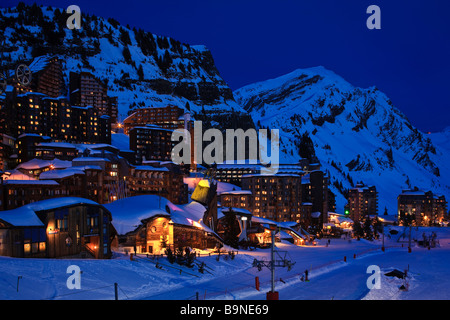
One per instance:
(18, 278)
(272, 261)
(409, 243)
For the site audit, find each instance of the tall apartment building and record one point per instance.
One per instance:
(236, 199)
(362, 202)
(86, 90)
(89, 126)
(47, 76)
(315, 197)
(37, 113)
(151, 143)
(232, 173)
(170, 117)
(114, 169)
(6, 152)
(157, 179)
(423, 207)
(277, 197)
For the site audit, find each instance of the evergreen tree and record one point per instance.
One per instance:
(140, 72)
(124, 37)
(306, 147)
(170, 255)
(127, 55)
(189, 257)
(357, 230)
(231, 230)
(367, 229)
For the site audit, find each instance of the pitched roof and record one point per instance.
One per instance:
(35, 163)
(25, 216)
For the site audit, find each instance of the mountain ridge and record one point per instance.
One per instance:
(358, 134)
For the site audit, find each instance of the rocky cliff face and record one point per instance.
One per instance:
(357, 134)
(141, 68)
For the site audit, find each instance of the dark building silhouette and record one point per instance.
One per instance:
(86, 90)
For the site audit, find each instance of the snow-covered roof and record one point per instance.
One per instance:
(151, 127)
(31, 182)
(238, 211)
(412, 193)
(121, 141)
(90, 159)
(60, 174)
(21, 217)
(23, 135)
(283, 235)
(16, 175)
(98, 146)
(263, 220)
(31, 93)
(150, 168)
(193, 210)
(87, 167)
(236, 192)
(287, 224)
(64, 145)
(35, 163)
(127, 214)
(226, 187)
(25, 216)
(316, 214)
(54, 203)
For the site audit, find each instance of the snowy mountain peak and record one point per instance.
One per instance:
(358, 134)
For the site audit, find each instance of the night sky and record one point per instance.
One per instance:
(255, 40)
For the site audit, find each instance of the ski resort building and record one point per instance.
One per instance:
(421, 208)
(276, 197)
(56, 228)
(152, 224)
(362, 202)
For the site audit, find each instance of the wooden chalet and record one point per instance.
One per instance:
(151, 224)
(56, 228)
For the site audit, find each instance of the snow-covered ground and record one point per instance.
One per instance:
(330, 276)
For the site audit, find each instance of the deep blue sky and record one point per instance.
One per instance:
(254, 40)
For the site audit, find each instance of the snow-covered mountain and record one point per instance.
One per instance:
(141, 68)
(357, 134)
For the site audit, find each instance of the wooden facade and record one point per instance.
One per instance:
(158, 233)
(77, 227)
